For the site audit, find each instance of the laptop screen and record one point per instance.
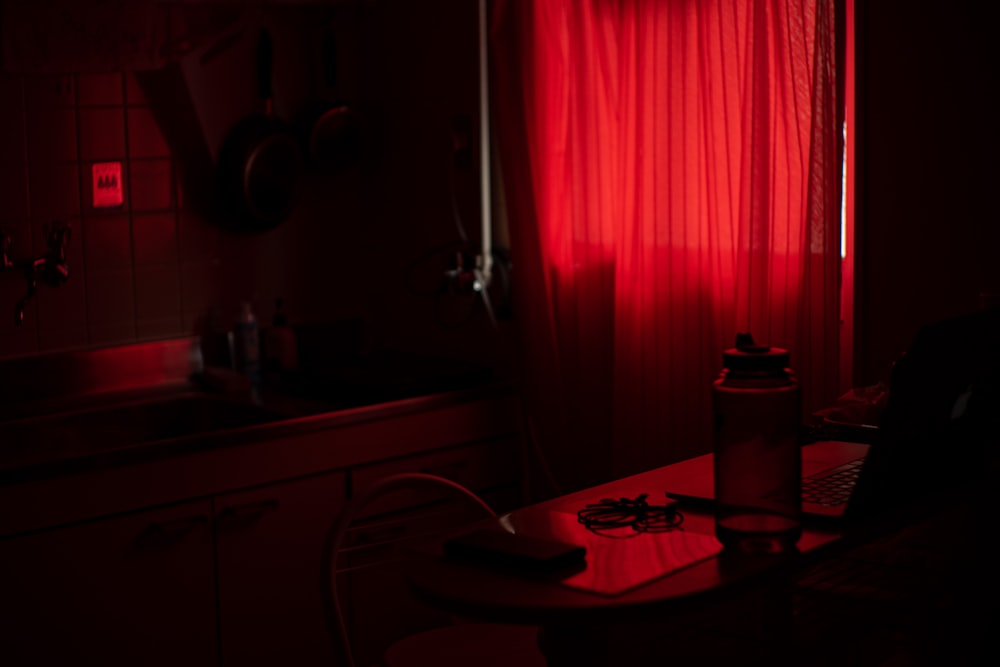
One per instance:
(936, 431)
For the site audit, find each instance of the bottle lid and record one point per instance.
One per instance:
(749, 356)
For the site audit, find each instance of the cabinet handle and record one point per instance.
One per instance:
(248, 512)
(378, 535)
(169, 532)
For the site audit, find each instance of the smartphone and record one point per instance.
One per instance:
(500, 547)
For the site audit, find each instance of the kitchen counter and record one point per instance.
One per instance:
(36, 448)
(128, 414)
(155, 509)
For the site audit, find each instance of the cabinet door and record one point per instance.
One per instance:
(269, 542)
(131, 590)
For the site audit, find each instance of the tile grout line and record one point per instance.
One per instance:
(81, 197)
(127, 168)
(25, 159)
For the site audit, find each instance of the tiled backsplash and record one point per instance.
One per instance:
(148, 269)
(125, 262)
(125, 267)
(155, 268)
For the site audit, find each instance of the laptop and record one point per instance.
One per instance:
(936, 433)
(830, 469)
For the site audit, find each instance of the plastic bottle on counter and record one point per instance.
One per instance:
(280, 348)
(758, 486)
(246, 345)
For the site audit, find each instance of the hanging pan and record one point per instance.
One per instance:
(260, 161)
(329, 125)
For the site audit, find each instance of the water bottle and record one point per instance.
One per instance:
(756, 404)
(246, 345)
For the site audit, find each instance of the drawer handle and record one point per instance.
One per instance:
(169, 532)
(248, 512)
(379, 535)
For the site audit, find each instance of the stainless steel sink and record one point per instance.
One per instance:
(103, 428)
(178, 416)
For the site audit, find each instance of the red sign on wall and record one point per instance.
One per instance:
(107, 184)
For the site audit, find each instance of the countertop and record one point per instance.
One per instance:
(110, 422)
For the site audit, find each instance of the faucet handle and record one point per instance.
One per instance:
(57, 237)
(53, 268)
(5, 245)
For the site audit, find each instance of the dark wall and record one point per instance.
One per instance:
(159, 266)
(929, 143)
(370, 242)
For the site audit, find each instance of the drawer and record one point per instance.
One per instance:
(478, 467)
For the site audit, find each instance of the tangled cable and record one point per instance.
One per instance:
(636, 513)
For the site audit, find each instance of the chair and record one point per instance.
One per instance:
(464, 643)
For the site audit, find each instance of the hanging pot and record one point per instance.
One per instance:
(260, 161)
(329, 124)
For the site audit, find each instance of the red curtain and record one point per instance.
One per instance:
(670, 175)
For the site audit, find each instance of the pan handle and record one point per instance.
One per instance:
(265, 60)
(329, 58)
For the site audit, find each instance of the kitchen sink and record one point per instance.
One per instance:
(103, 428)
(178, 416)
(74, 413)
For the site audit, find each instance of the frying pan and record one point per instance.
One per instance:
(329, 126)
(260, 161)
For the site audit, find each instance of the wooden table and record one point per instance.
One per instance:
(580, 626)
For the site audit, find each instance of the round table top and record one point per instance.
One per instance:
(638, 573)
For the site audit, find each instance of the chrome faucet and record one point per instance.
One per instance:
(51, 268)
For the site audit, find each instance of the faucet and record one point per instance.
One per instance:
(51, 268)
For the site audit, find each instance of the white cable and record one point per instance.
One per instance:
(486, 261)
(482, 288)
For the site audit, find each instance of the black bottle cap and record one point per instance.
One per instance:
(751, 357)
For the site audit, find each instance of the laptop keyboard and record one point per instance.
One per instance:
(831, 487)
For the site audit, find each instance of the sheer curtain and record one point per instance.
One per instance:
(671, 177)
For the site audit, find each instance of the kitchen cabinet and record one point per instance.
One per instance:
(268, 543)
(141, 589)
(129, 590)
(210, 555)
